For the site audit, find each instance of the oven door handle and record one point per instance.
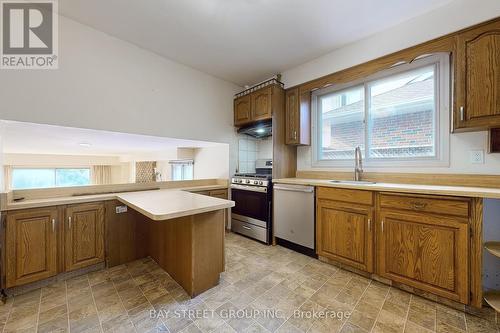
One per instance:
(250, 188)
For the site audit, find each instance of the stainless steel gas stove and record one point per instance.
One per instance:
(252, 193)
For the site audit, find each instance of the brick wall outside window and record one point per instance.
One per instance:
(402, 134)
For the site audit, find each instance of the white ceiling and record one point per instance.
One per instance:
(243, 41)
(29, 138)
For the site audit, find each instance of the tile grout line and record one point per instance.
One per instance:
(8, 317)
(38, 312)
(95, 305)
(408, 312)
(359, 300)
(309, 298)
(297, 307)
(338, 269)
(381, 308)
(147, 299)
(67, 305)
(435, 325)
(121, 301)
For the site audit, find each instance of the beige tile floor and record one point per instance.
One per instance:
(264, 289)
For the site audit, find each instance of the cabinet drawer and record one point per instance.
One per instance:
(339, 194)
(222, 194)
(443, 206)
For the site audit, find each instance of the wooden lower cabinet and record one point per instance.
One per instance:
(344, 233)
(84, 235)
(425, 251)
(31, 246)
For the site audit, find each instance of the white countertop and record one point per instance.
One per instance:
(472, 192)
(162, 205)
(139, 198)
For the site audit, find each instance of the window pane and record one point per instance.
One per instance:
(187, 172)
(342, 123)
(176, 171)
(32, 178)
(402, 115)
(72, 177)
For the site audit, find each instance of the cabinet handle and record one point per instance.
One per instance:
(382, 225)
(462, 115)
(69, 222)
(53, 225)
(369, 224)
(295, 135)
(419, 205)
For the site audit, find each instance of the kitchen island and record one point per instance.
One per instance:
(185, 234)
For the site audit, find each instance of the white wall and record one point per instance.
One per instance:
(452, 17)
(105, 83)
(211, 162)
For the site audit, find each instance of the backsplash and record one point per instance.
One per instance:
(247, 154)
(144, 172)
(250, 150)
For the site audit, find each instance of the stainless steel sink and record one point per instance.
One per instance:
(353, 182)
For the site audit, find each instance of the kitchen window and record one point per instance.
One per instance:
(182, 169)
(398, 117)
(30, 178)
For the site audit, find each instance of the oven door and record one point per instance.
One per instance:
(251, 203)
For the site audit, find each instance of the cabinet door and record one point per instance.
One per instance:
(242, 110)
(84, 241)
(344, 233)
(262, 104)
(31, 246)
(292, 116)
(478, 78)
(426, 252)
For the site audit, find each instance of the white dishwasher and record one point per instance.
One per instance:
(293, 219)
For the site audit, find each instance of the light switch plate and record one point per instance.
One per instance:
(477, 156)
(121, 209)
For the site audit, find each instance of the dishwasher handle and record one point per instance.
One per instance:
(294, 189)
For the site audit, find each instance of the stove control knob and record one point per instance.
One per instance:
(256, 182)
(248, 182)
(261, 182)
(239, 181)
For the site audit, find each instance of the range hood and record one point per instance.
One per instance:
(261, 129)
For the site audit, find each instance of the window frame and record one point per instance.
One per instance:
(183, 164)
(441, 61)
(54, 169)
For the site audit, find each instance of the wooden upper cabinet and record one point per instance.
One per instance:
(478, 78)
(242, 110)
(262, 104)
(344, 230)
(31, 246)
(425, 251)
(292, 116)
(84, 236)
(257, 105)
(298, 123)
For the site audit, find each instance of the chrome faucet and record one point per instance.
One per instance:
(358, 167)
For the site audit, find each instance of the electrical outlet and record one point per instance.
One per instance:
(477, 156)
